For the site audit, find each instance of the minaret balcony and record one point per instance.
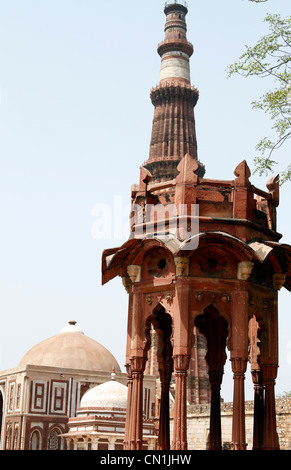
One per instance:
(181, 5)
(180, 45)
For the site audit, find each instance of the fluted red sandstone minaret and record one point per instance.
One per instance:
(174, 99)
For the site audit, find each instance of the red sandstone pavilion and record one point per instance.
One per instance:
(214, 271)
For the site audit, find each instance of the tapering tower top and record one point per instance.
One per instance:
(175, 50)
(180, 4)
(174, 99)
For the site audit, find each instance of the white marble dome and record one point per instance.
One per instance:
(110, 395)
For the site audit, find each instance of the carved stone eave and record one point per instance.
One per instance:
(279, 280)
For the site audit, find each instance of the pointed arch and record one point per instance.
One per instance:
(161, 322)
(241, 250)
(215, 328)
(35, 439)
(55, 442)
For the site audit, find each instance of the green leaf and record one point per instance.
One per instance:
(270, 57)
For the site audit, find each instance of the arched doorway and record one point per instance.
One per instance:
(161, 322)
(215, 328)
(54, 441)
(35, 440)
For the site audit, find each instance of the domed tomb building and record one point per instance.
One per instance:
(100, 420)
(38, 397)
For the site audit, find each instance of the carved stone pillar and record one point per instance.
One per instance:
(95, 444)
(136, 408)
(126, 444)
(258, 410)
(111, 443)
(270, 440)
(128, 285)
(164, 422)
(254, 359)
(215, 379)
(181, 365)
(239, 366)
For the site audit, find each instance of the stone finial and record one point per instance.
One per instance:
(279, 280)
(273, 185)
(187, 168)
(182, 266)
(242, 173)
(134, 272)
(244, 270)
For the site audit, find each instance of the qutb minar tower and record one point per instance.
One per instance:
(174, 136)
(213, 273)
(174, 99)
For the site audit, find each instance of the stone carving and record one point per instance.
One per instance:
(126, 284)
(149, 299)
(187, 168)
(199, 296)
(182, 266)
(225, 298)
(242, 173)
(134, 272)
(273, 185)
(279, 280)
(244, 270)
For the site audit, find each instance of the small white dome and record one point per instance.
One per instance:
(109, 395)
(72, 328)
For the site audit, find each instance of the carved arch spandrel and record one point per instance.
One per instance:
(144, 246)
(222, 241)
(213, 261)
(132, 253)
(158, 263)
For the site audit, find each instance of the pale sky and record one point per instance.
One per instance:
(75, 126)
